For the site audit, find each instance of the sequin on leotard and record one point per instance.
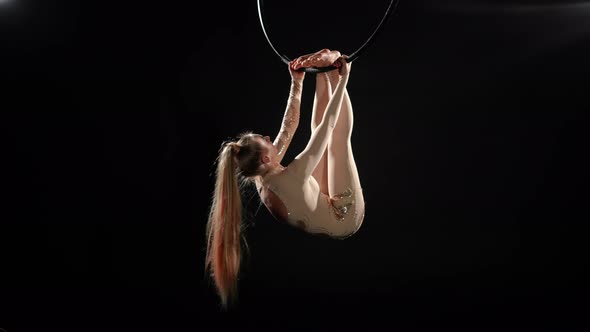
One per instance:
(285, 140)
(342, 204)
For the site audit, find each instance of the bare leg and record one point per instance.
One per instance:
(323, 92)
(342, 170)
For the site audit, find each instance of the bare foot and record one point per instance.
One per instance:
(297, 63)
(322, 58)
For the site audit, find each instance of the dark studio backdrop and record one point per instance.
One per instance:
(470, 139)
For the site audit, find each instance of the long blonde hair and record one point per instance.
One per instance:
(237, 164)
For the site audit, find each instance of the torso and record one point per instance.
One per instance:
(292, 199)
(273, 203)
(299, 202)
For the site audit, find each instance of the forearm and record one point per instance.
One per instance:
(291, 116)
(292, 112)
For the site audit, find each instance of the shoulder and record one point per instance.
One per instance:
(296, 169)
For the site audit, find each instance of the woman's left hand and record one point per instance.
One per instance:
(295, 75)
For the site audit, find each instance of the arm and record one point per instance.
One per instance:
(308, 160)
(291, 117)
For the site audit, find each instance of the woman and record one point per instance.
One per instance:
(318, 192)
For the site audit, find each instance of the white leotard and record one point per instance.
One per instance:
(310, 209)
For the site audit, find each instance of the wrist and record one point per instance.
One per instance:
(296, 87)
(297, 81)
(295, 95)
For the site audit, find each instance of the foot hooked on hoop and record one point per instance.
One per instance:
(322, 58)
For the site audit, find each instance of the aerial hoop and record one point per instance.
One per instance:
(392, 5)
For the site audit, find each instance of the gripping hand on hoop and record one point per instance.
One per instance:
(343, 66)
(296, 76)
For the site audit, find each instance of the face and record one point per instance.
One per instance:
(269, 151)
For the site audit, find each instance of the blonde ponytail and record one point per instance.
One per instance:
(223, 255)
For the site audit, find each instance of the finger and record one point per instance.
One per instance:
(344, 63)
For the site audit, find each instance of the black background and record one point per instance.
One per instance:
(470, 139)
